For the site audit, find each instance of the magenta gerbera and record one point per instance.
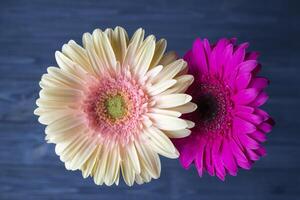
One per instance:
(230, 126)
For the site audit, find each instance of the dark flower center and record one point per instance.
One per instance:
(214, 107)
(207, 107)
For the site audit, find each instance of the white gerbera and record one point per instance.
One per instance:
(113, 104)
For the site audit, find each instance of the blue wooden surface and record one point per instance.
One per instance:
(30, 32)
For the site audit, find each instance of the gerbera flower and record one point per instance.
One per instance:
(113, 104)
(230, 126)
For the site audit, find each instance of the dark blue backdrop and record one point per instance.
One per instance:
(31, 31)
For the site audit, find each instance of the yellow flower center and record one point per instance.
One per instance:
(116, 107)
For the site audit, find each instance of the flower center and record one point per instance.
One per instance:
(214, 107)
(115, 107)
(207, 107)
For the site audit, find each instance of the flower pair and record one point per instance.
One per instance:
(116, 103)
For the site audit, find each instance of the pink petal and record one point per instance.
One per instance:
(241, 126)
(244, 97)
(200, 56)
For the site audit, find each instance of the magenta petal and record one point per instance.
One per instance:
(193, 69)
(200, 56)
(241, 126)
(199, 159)
(241, 108)
(219, 167)
(260, 100)
(253, 155)
(247, 66)
(207, 47)
(248, 142)
(265, 127)
(228, 159)
(242, 81)
(262, 113)
(244, 97)
(259, 136)
(188, 153)
(255, 119)
(259, 83)
(245, 165)
(237, 57)
(237, 152)
(261, 151)
(252, 55)
(208, 159)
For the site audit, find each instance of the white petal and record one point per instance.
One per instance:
(153, 73)
(160, 87)
(101, 166)
(171, 100)
(104, 49)
(182, 84)
(165, 122)
(186, 108)
(144, 56)
(168, 58)
(64, 137)
(51, 116)
(76, 53)
(68, 153)
(149, 160)
(165, 112)
(160, 49)
(90, 163)
(133, 47)
(97, 66)
(171, 70)
(127, 169)
(178, 134)
(60, 94)
(83, 154)
(63, 124)
(64, 77)
(160, 143)
(113, 166)
(133, 158)
(119, 43)
(190, 124)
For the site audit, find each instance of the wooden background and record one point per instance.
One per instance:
(31, 31)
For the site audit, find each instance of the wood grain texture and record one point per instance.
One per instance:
(31, 31)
